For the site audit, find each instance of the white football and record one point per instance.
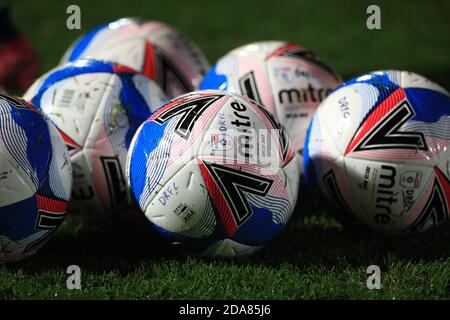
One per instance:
(287, 79)
(154, 48)
(215, 173)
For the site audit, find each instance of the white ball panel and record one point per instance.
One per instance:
(60, 166)
(85, 197)
(292, 173)
(238, 133)
(73, 103)
(127, 50)
(151, 92)
(259, 50)
(342, 112)
(180, 206)
(414, 80)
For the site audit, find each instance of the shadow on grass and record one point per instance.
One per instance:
(319, 240)
(309, 240)
(441, 77)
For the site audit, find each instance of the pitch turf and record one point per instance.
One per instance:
(314, 257)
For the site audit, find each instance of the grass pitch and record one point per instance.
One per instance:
(314, 257)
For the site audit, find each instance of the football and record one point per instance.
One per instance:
(215, 172)
(378, 151)
(97, 106)
(152, 47)
(288, 80)
(35, 179)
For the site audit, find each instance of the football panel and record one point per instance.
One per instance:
(320, 153)
(60, 168)
(258, 50)
(388, 194)
(186, 55)
(129, 50)
(229, 248)
(244, 71)
(17, 230)
(324, 172)
(150, 91)
(106, 148)
(248, 77)
(25, 135)
(34, 88)
(434, 207)
(222, 76)
(14, 186)
(343, 111)
(242, 132)
(414, 80)
(182, 206)
(410, 125)
(251, 202)
(292, 179)
(444, 164)
(96, 38)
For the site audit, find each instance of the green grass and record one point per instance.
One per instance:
(314, 257)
